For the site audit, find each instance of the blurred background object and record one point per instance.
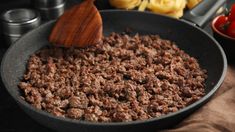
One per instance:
(172, 8)
(17, 22)
(223, 27)
(49, 9)
(192, 3)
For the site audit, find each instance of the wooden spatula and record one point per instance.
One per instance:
(79, 26)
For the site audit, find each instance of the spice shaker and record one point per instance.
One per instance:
(49, 9)
(17, 22)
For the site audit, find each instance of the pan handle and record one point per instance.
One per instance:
(202, 13)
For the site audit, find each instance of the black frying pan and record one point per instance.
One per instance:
(188, 37)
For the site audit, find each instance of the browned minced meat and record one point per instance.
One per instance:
(123, 78)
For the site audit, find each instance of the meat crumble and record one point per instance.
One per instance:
(123, 78)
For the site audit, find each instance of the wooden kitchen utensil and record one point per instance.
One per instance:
(79, 26)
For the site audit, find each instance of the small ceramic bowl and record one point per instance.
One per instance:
(227, 42)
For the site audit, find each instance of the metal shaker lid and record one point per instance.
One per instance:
(46, 3)
(20, 16)
(16, 22)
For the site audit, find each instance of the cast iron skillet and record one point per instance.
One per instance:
(188, 37)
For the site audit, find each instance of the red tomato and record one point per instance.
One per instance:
(220, 23)
(231, 30)
(231, 16)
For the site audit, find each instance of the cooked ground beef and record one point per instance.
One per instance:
(123, 78)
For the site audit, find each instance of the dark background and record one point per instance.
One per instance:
(12, 118)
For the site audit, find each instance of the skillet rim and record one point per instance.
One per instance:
(101, 124)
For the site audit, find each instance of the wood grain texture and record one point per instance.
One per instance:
(79, 26)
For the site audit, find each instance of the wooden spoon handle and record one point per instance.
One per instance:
(79, 26)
